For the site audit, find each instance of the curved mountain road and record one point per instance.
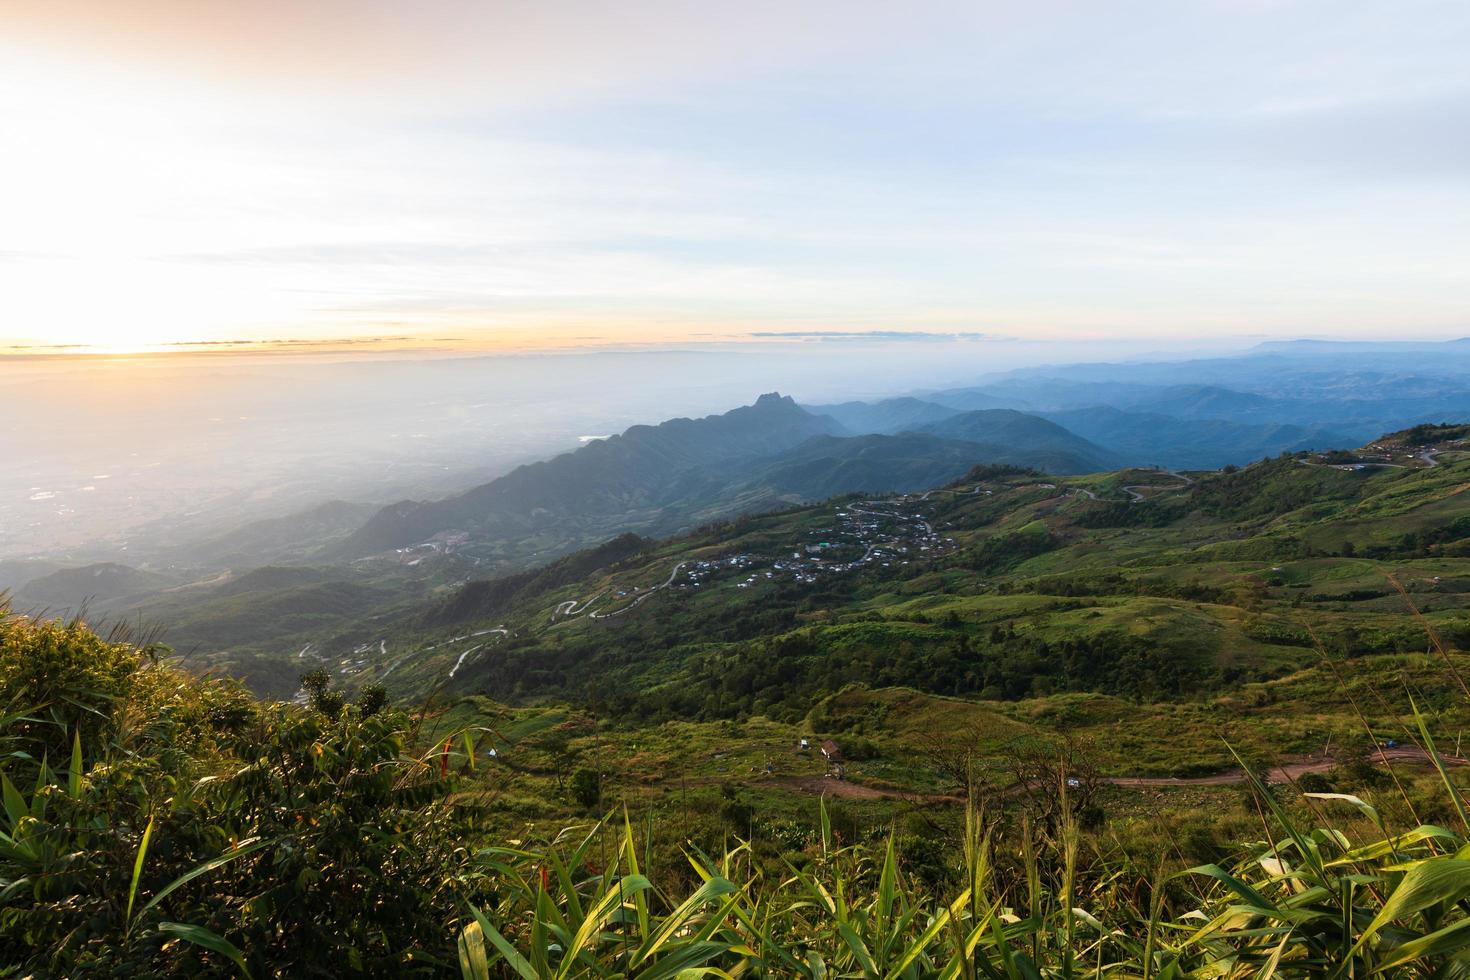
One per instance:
(1137, 498)
(973, 491)
(639, 601)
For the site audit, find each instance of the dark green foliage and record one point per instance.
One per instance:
(1313, 782)
(994, 471)
(586, 788)
(372, 699)
(1273, 487)
(1120, 513)
(1423, 435)
(157, 825)
(1005, 551)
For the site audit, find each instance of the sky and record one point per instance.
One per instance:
(542, 174)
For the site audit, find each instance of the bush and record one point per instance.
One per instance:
(157, 824)
(586, 788)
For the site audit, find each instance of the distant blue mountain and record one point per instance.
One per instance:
(884, 417)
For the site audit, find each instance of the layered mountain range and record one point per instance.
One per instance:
(250, 591)
(662, 478)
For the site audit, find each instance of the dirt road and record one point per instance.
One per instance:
(1289, 771)
(846, 789)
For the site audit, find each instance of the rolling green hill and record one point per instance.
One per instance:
(1004, 585)
(1112, 680)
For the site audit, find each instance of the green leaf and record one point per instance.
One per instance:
(516, 961)
(1450, 939)
(15, 804)
(473, 963)
(74, 776)
(711, 890)
(212, 941)
(138, 869)
(1426, 883)
(687, 961)
(618, 892)
(1240, 888)
(640, 901)
(887, 883)
(1444, 774)
(248, 846)
(859, 949)
(935, 927)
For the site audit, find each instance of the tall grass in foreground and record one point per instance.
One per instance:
(1305, 903)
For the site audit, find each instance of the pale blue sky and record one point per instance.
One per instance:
(529, 174)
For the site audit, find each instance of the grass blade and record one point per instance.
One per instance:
(138, 870)
(200, 936)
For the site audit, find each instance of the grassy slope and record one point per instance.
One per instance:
(1232, 587)
(1224, 586)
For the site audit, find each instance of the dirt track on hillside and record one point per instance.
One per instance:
(1288, 772)
(846, 789)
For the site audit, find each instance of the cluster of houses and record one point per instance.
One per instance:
(885, 537)
(700, 572)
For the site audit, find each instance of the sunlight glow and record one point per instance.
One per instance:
(203, 173)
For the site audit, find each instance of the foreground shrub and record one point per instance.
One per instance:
(156, 823)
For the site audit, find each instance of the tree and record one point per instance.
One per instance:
(1056, 779)
(586, 788)
(319, 694)
(372, 699)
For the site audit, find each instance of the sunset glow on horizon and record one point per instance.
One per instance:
(549, 175)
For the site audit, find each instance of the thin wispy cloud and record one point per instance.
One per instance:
(840, 336)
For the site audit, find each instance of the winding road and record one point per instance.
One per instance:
(973, 491)
(639, 601)
(569, 608)
(1138, 498)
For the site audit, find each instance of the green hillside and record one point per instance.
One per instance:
(1174, 723)
(187, 829)
(1004, 585)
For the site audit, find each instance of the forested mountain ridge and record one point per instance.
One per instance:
(639, 469)
(659, 479)
(1151, 438)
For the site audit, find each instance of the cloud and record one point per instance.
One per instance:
(842, 336)
(220, 170)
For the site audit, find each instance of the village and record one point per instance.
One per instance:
(865, 534)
